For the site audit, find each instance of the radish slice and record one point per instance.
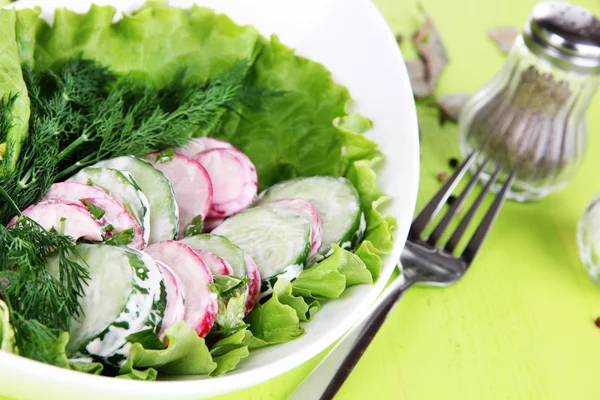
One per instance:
(191, 184)
(306, 210)
(200, 301)
(198, 145)
(66, 217)
(120, 219)
(175, 310)
(74, 191)
(212, 223)
(253, 291)
(216, 264)
(234, 180)
(114, 212)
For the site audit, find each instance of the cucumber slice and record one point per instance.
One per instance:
(125, 295)
(336, 201)
(275, 238)
(164, 213)
(123, 188)
(222, 247)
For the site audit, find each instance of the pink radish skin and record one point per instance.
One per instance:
(212, 223)
(175, 310)
(74, 191)
(200, 301)
(191, 184)
(307, 211)
(253, 291)
(78, 221)
(216, 264)
(115, 213)
(234, 180)
(198, 145)
(117, 216)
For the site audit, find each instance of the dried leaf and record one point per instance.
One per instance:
(416, 72)
(452, 105)
(432, 53)
(504, 37)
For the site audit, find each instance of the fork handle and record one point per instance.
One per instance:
(371, 323)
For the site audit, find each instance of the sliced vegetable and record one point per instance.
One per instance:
(222, 247)
(335, 199)
(234, 180)
(122, 187)
(113, 214)
(73, 191)
(200, 301)
(164, 213)
(66, 217)
(273, 237)
(191, 185)
(198, 145)
(116, 219)
(125, 295)
(253, 289)
(307, 211)
(217, 265)
(175, 309)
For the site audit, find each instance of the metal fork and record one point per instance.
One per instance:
(423, 261)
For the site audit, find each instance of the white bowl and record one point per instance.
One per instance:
(351, 38)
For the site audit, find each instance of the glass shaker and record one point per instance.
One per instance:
(588, 239)
(531, 117)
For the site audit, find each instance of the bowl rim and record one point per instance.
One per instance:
(256, 375)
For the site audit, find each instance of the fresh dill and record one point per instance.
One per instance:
(85, 113)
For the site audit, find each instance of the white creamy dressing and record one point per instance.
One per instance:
(138, 312)
(145, 206)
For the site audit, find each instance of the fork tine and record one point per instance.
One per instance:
(482, 230)
(443, 224)
(462, 227)
(434, 205)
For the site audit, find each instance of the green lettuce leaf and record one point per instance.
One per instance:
(7, 334)
(154, 43)
(228, 352)
(230, 315)
(274, 321)
(27, 25)
(12, 86)
(57, 353)
(291, 134)
(186, 354)
(330, 277)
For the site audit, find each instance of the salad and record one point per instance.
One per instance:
(175, 191)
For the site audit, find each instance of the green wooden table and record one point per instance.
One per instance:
(520, 325)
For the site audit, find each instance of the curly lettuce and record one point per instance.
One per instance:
(292, 120)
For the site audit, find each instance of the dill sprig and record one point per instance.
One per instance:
(41, 302)
(85, 113)
(137, 119)
(33, 290)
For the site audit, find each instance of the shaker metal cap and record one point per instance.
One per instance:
(566, 34)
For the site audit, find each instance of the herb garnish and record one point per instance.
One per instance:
(85, 113)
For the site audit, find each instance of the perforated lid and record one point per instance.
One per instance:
(567, 34)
